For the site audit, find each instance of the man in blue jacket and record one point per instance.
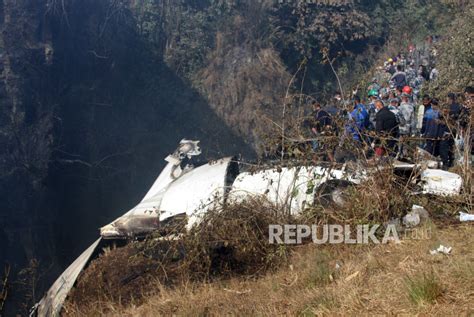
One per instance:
(358, 120)
(431, 127)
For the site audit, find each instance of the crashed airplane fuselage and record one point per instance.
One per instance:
(183, 190)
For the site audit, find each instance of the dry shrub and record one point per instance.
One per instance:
(120, 276)
(380, 198)
(234, 240)
(229, 241)
(444, 209)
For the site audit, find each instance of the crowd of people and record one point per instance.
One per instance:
(395, 117)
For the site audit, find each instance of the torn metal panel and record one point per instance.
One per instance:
(186, 149)
(292, 188)
(141, 219)
(197, 191)
(192, 194)
(439, 182)
(52, 302)
(144, 218)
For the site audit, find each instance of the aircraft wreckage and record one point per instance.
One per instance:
(183, 190)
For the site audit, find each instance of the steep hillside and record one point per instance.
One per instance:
(88, 115)
(94, 94)
(324, 280)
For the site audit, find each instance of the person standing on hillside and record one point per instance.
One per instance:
(320, 122)
(374, 85)
(454, 107)
(430, 127)
(371, 110)
(393, 107)
(407, 122)
(399, 78)
(423, 72)
(410, 74)
(417, 83)
(407, 111)
(336, 105)
(434, 74)
(358, 120)
(386, 128)
(466, 118)
(390, 67)
(420, 115)
(445, 139)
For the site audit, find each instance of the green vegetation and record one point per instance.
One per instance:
(424, 288)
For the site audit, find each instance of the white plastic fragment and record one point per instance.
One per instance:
(421, 211)
(465, 216)
(411, 219)
(441, 249)
(417, 215)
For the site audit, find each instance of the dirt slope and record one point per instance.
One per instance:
(333, 280)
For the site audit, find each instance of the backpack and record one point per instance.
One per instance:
(398, 115)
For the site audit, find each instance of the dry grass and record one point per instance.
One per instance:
(228, 242)
(333, 280)
(424, 288)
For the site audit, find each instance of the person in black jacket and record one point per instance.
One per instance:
(386, 127)
(399, 78)
(445, 139)
(319, 123)
(454, 107)
(321, 119)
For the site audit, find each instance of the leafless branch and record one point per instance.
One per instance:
(97, 55)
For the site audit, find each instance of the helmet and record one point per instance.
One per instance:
(373, 92)
(390, 60)
(407, 90)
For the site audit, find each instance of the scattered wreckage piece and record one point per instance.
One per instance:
(191, 194)
(184, 191)
(441, 249)
(465, 217)
(417, 215)
(145, 217)
(432, 180)
(292, 188)
(53, 300)
(140, 220)
(439, 182)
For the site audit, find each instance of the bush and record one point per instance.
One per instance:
(424, 288)
(229, 241)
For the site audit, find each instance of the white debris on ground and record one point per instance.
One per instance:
(417, 215)
(465, 216)
(439, 182)
(441, 249)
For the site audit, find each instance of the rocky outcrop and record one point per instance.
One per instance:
(26, 120)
